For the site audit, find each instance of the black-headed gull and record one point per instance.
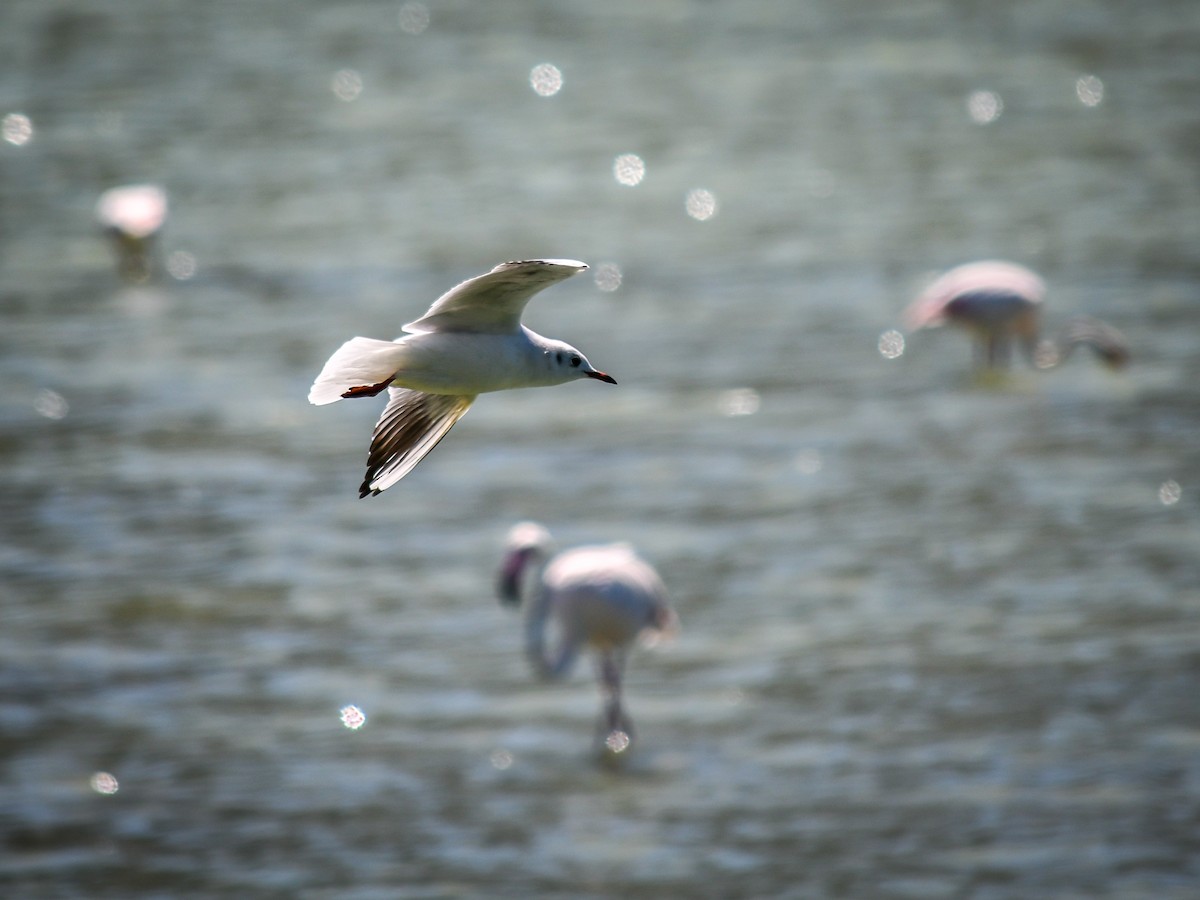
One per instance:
(602, 597)
(469, 342)
(1001, 302)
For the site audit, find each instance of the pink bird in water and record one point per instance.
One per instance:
(599, 597)
(999, 303)
(133, 215)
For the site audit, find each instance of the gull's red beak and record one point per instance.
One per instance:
(600, 376)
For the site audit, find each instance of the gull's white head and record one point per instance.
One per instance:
(567, 364)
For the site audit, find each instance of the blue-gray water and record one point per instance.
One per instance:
(939, 639)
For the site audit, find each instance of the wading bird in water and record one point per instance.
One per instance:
(999, 303)
(133, 215)
(469, 342)
(600, 597)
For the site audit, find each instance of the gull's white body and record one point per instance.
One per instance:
(481, 363)
(470, 342)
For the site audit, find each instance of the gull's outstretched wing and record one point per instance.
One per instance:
(411, 426)
(493, 303)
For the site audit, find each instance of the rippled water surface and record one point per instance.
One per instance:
(941, 638)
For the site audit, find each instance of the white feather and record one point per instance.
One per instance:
(492, 303)
(359, 361)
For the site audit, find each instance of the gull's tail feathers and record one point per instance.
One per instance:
(358, 362)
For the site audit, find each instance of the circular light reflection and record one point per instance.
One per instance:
(739, 402)
(414, 18)
(500, 759)
(181, 265)
(104, 783)
(608, 277)
(1090, 90)
(545, 79)
(701, 205)
(617, 741)
(984, 106)
(346, 85)
(352, 717)
(629, 169)
(51, 404)
(1169, 492)
(891, 344)
(17, 129)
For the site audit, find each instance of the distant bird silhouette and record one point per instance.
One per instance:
(133, 215)
(470, 341)
(601, 597)
(1000, 303)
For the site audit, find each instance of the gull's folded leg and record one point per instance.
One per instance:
(368, 390)
(361, 367)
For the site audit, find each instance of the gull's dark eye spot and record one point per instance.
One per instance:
(558, 357)
(575, 361)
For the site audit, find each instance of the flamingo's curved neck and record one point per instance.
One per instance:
(1106, 342)
(547, 663)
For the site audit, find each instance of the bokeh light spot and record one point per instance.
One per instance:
(17, 129)
(501, 759)
(352, 717)
(51, 404)
(545, 79)
(1169, 492)
(617, 741)
(347, 84)
(1090, 90)
(984, 106)
(701, 205)
(608, 276)
(104, 783)
(414, 18)
(891, 344)
(739, 402)
(629, 169)
(181, 265)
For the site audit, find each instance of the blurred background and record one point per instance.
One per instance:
(939, 639)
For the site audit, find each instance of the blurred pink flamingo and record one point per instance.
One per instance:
(133, 215)
(601, 597)
(998, 303)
